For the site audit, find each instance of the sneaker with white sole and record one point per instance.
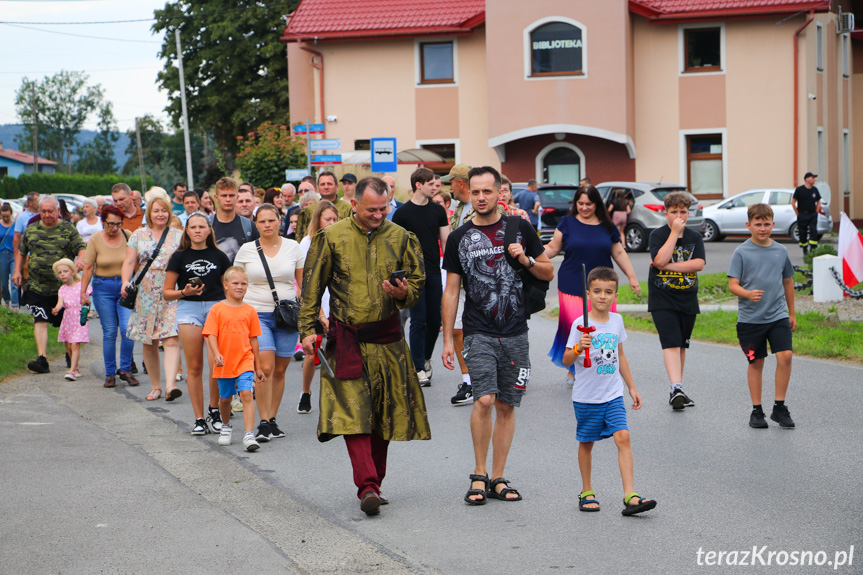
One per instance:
(424, 378)
(305, 405)
(201, 427)
(428, 369)
(677, 399)
(215, 418)
(263, 434)
(225, 435)
(275, 432)
(464, 394)
(236, 404)
(249, 443)
(71, 376)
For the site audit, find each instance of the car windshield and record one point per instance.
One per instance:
(662, 192)
(556, 195)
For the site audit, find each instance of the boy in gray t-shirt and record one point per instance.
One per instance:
(761, 276)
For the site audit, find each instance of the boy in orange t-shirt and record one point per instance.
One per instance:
(233, 326)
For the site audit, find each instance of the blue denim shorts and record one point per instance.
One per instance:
(231, 386)
(193, 312)
(272, 338)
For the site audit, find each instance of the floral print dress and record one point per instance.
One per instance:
(153, 318)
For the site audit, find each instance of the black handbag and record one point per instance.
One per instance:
(287, 311)
(128, 301)
(534, 288)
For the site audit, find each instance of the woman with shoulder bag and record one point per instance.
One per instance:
(285, 262)
(154, 318)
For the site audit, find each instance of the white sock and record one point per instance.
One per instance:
(676, 386)
(465, 378)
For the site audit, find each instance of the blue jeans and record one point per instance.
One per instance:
(114, 319)
(426, 321)
(7, 266)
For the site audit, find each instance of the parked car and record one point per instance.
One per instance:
(555, 201)
(729, 216)
(648, 213)
(73, 201)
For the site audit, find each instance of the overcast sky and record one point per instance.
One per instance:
(120, 57)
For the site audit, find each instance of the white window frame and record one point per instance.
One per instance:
(820, 151)
(681, 48)
(846, 56)
(528, 52)
(455, 141)
(819, 47)
(540, 158)
(684, 154)
(418, 73)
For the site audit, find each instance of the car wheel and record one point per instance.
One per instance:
(635, 238)
(792, 231)
(710, 231)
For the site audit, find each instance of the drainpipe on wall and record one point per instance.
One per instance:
(320, 67)
(796, 98)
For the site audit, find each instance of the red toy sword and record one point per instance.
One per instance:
(585, 328)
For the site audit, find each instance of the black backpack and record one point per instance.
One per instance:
(534, 288)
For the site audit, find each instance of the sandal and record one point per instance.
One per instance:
(502, 495)
(173, 394)
(583, 500)
(481, 492)
(154, 394)
(642, 505)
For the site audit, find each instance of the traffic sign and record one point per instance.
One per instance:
(308, 129)
(384, 155)
(317, 145)
(326, 159)
(296, 175)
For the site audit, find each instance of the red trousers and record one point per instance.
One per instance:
(368, 455)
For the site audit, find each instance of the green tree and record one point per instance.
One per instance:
(235, 65)
(266, 153)
(58, 106)
(163, 152)
(97, 155)
(152, 136)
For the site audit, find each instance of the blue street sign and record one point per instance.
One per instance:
(296, 175)
(309, 129)
(326, 159)
(317, 145)
(384, 155)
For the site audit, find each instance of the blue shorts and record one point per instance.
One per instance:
(597, 421)
(193, 312)
(231, 386)
(272, 338)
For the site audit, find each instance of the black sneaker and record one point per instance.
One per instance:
(134, 368)
(677, 399)
(305, 405)
(686, 401)
(263, 434)
(215, 418)
(464, 394)
(756, 419)
(68, 362)
(39, 365)
(200, 428)
(781, 416)
(300, 355)
(275, 432)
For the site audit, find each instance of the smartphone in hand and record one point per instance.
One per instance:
(397, 275)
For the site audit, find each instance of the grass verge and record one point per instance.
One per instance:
(16, 343)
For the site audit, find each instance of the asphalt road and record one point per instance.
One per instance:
(98, 480)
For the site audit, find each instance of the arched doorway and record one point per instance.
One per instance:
(560, 163)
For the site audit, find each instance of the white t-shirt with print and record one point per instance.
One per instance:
(601, 382)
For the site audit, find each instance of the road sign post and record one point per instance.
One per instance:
(384, 155)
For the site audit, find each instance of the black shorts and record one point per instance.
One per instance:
(674, 327)
(753, 338)
(40, 306)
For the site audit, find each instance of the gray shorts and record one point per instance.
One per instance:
(499, 366)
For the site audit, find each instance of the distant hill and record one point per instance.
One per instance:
(9, 131)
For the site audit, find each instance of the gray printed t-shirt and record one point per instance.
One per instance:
(764, 268)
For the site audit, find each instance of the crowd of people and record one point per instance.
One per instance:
(256, 278)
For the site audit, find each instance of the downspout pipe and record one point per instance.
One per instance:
(796, 95)
(319, 65)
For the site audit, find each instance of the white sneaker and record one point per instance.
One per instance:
(249, 443)
(428, 369)
(225, 434)
(424, 378)
(236, 404)
(179, 377)
(71, 376)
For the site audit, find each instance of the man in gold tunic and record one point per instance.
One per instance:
(375, 396)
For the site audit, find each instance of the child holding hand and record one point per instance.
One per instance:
(72, 333)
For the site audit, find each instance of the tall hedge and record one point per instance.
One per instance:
(67, 184)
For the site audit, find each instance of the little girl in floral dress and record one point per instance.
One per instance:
(69, 299)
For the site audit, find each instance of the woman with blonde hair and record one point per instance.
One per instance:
(157, 192)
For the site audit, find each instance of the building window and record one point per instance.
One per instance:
(704, 164)
(556, 49)
(561, 166)
(362, 145)
(436, 63)
(447, 152)
(819, 47)
(703, 49)
(846, 56)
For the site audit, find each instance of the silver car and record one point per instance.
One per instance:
(729, 215)
(648, 213)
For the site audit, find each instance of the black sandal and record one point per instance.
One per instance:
(492, 492)
(481, 492)
(642, 505)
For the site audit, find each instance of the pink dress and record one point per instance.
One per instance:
(71, 330)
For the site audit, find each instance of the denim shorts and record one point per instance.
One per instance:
(272, 338)
(193, 312)
(231, 386)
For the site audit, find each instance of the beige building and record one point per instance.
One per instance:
(719, 99)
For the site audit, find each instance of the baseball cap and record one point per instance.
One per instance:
(457, 171)
(349, 177)
(810, 175)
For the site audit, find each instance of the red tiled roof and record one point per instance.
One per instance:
(374, 18)
(678, 9)
(24, 158)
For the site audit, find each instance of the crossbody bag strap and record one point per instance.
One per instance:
(152, 258)
(9, 229)
(267, 271)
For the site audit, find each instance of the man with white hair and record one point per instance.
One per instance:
(289, 194)
(46, 241)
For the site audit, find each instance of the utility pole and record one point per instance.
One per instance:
(35, 129)
(140, 157)
(190, 183)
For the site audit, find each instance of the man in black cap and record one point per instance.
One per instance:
(807, 203)
(349, 185)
